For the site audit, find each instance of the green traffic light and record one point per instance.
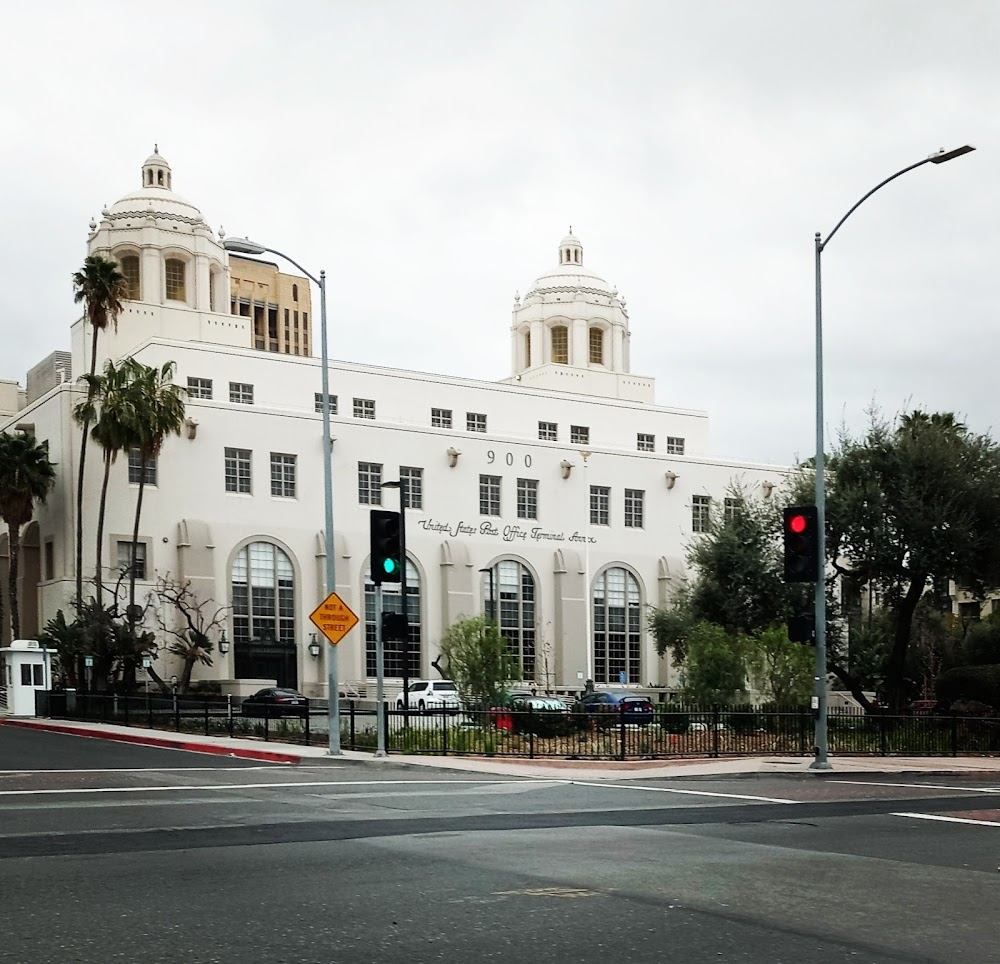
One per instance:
(389, 566)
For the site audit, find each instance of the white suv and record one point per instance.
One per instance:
(427, 694)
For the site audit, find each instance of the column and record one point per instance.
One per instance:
(201, 287)
(538, 356)
(579, 355)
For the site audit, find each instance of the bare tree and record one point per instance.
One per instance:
(190, 633)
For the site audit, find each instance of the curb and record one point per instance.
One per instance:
(243, 753)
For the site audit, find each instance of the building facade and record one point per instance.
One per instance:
(561, 497)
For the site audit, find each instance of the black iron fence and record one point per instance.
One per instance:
(670, 730)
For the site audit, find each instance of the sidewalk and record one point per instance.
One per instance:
(544, 769)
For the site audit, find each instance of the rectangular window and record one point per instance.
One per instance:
(124, 550)
(548, 431)
(174, 272)
(241, 393)
(135, 468)
(701, 513)
(675, 446)
(600, 505)
(364, 408)
(645, 443)
(441, 417)
(199, 388)
(527, 498)
(412, 493)
(318, 398)
(596, 346)
(475, 422)
(560, 345)
(370, 483)
(729, 509)
(283, 475)
(238, 470)
(634, 505)
(489, 495)
(579, 435)
(50, 559)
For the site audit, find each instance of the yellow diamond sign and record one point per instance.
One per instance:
(334, 618)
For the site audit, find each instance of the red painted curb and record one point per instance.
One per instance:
(270, 756)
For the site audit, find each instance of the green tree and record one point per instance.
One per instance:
(109, 408)
(156, 410)
(478, 660)
(909, 506)
(714, 667)
(26, 477)
(102, 287)
(781, 670)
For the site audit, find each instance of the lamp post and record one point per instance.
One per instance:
(821, 762)
(246, 246)
(493, 599)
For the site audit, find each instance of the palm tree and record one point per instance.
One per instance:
(157, 410)
(109, 407)
(26, 476)
(102, 287)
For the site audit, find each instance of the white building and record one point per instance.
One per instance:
(564, 475)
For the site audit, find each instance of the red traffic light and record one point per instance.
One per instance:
(797, 523)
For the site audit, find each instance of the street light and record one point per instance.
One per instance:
(246, 246)
(821, 762)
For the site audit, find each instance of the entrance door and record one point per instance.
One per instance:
(267, 658)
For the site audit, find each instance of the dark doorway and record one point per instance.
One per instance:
(267, 658)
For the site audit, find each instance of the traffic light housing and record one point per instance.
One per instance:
(801, 538)
(802, 629)
(395, 627)
(386, 547)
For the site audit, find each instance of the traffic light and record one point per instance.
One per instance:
(801, 536)
(387, 547)
(802, 629)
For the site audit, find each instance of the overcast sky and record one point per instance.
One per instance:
(431, 155)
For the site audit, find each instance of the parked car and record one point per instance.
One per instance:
(275, 701)
(428, 694)
(611, 708)
(541, 715)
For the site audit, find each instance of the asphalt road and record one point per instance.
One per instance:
(114, 852)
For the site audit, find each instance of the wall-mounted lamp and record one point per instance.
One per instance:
(768, 488)
(313, 646)
(453, 455)
(671, 478)
(191, 427)
(224, 644)
(566, 467)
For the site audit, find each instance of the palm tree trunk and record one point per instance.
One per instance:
(99, 568)
(135, 544)
(15, 554)
(79, 486)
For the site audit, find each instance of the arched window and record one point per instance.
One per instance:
(596, 346)
(295, 292)
(392, 603)
(617, 627)
(527, 349)
(509, 597)
(130, 268)
(560, 345)
(176, 287)
(263, 594)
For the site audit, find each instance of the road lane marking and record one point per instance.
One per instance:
(257, 786)
(694, 793)
(916, 786)
(939, 818)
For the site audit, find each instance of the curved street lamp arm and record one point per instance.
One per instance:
(877, 187)
(312, 278)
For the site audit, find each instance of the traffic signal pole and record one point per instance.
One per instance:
(819, 700)
(404, 499)
(379, 674)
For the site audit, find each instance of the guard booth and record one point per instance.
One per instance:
(27, 668)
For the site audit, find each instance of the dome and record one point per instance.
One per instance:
(155, 198)
(570, 273)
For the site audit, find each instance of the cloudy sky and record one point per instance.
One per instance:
(430, 156)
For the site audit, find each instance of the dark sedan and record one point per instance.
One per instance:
(610, 708)
(276, 701)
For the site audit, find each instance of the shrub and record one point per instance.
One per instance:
(673, 717)
(979, 683)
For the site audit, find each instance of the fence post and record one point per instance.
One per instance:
(531, 732)
(384, 710)
(353, 731)
(229, 713)
(621, 731)
(444, 732)
(177, 714)
(126, 698)
(954, 734)
(149, 710)
(308, 741)
(882, 734)
(715, 729)
(803, 727)
(267, 722)
(206, 715)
